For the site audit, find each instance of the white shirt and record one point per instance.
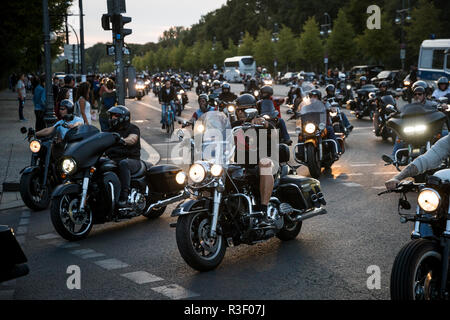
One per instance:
(87, 110)
(439, 93)
(21, 89)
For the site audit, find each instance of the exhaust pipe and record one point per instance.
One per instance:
(308, 215)
(162, 203)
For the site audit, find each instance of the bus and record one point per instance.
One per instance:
(244, 64)
(434, 61)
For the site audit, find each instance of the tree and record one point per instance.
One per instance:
(424, 22)
(310, 46)
(285, 48)
(246, 48)
(232, 49)
(263, 49)
(340, 44)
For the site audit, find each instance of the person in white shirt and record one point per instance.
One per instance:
(82, 105)
(21, 95)
(442, 89)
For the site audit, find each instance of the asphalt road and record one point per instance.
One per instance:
(139, 259)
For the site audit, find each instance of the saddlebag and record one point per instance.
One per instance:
(161, 179)
(300, 192)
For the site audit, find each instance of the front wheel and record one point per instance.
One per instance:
(313, 161)
(198, 249)
(416, 273)
(33, 193)
(69, 222)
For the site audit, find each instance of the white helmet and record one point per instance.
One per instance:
(300, 77)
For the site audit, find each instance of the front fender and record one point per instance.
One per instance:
(66, 189)
(186, 207)
(29, 169)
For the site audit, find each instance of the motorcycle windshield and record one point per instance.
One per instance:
(315, 112)
(212, 133)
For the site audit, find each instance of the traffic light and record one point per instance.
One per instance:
(118, 21)
(106, 22)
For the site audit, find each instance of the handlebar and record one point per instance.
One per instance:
(403, 187)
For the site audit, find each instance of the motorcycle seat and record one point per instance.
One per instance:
(141, 171)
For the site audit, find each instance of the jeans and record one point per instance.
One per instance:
(21, 104)
(164, 111)
(345, 120)
(283, 130)
(40, 123)
(332, 135)
(126, 168)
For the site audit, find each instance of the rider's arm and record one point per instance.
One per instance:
(131, 139)
(45, 132)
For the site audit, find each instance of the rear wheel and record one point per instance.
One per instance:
(290, 230)
(313, 161)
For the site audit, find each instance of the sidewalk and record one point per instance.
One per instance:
(16, 155)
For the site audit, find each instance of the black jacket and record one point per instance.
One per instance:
(166, 98)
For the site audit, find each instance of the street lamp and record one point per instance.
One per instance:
(325, 31)
(402, 15)
(241, 39)
(275, 40)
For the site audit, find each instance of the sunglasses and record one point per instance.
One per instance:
(418, 94)
(62, 108)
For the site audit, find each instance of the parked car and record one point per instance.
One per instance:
(369, 71)
(287, 77)
(391, 76)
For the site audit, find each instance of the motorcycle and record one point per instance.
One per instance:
(421, 268)
(313, 148)
(222, 211)
(407, 93)
(13, 260)
(343, 92)
(363, 104)
(91, 188)
(181, 101)
(147, 86)
(336, 118)
(419, 128)
(140, 89)
(387, 106)
(202, 87)
(156, 88)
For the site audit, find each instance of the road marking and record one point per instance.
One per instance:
(381, 173)
(141, 277)
(48, 236)
(175, 292)
(173, 159)
(82, 252)
(152, 155)
(350, 174)
(111, 264)
(351, 184)
(68, 245)
(24, 221)
(93, 255)
(25, 214)
(21, 230)
(363, 165)
(87, 253)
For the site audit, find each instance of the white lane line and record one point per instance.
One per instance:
(48, 236)
(141, 277)
(175, 292)
(152, 155)
(363, 165)
(111, 264)
(24, 221)
(25, 214)
(21, 230)
(351, 184)
(381, 173)
(93, 255)
(82, 252)
(67, 245)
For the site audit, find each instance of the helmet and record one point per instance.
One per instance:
(385, 100)
(226, 85)
(266, 91)
(329, 89)
(419, 89)
(245, 101)
(443, 80)
(264, 70)
(420, 83)
(216, 83)
(315, 92)
(383, 84)
(342, 76)
(300, 77)
(203, 96)
(363, 78)
(123, 120)
(66, 103)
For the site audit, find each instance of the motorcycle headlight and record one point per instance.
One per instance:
(418, 129)
(231, 109)
(429, 200)
(216, 170)
(333, 114)
(256, 93)
(68, 166)
(203, 83)
(197, 173)
(349, 87)
(181, 91)
(310, 128)
(35, 146)
(406, 83)
(179, 97)
(180, 177)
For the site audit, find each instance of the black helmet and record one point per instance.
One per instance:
(123, 120)
(419, 89)
(315, 92)
(385, 100)
(245, 101)
(443, 80)
(329, 89)
(383, 84)
(363, 78)
(66, 103)
(266, 91)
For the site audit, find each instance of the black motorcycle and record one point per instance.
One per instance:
(421, 268)
(12, 258)
(364, 103)
(202, 87)
(407, 93)
(156, 88)
(386, 107)
(344, 92)
(336, 118)
(181, 101)
(313, 148)
(222, 212)
(419, 128)
(91, 188)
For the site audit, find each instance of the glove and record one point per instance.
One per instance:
(121, 142)
(392, 184)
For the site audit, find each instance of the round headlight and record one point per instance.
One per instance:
(201, 128)
(310, 128)
(203, 83)
(197, 173)
(429, 200)
(231, 109)
(349, 87)
(256, 93)
(68, 166)
(180, 177)
(35, 146)
(216, 170)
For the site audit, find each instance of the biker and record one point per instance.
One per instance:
(67, 122)
(216, 90)
(432, 159)
(226, 95)
(203, 108)
(383, 91)
(127, 154)
(264, 165)
(443, 89)
(362, 82)
(266, 106)
(330, 93)
(167, 95)
(252, 86)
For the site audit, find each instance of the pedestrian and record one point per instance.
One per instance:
(82, 105)
(63, 93)
(108, 100)
(69, 83)
(21, 95)
(39, 100)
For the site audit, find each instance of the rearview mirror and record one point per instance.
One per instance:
(180, 134)
(443, 100)
(387, 159)
(23, 130)
(251, 113)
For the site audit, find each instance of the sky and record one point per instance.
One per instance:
(149, 18)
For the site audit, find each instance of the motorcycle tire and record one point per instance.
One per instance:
(27, 181)
(196, 225)
(289, 231)
(313, 161)
(62, 227)
(407, 273)
(139, 98)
